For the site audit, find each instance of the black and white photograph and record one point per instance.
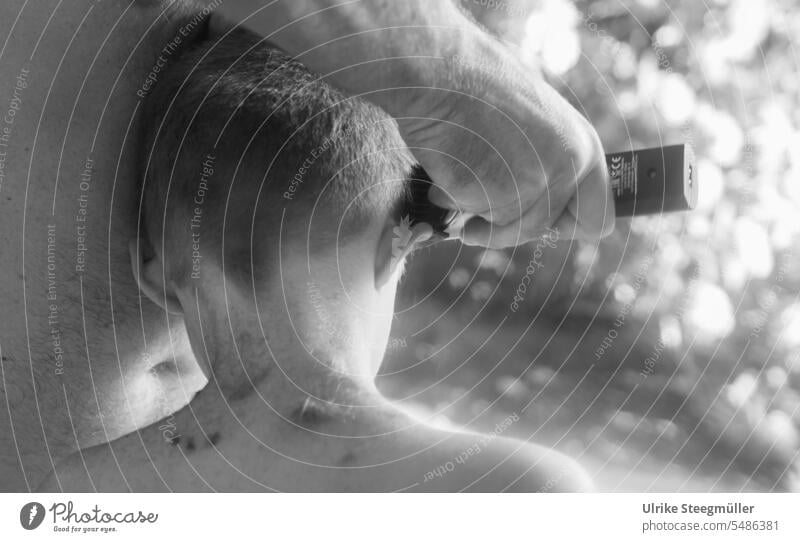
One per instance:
(340, 248)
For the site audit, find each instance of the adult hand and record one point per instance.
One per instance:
(506, 149)
(499, 142)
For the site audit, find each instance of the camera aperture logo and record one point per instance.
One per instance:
(66, 518)
(31, 515)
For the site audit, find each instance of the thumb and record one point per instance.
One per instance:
(590, 211)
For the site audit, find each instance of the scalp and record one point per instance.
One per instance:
(267, 120)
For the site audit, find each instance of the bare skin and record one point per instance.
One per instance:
(219, 444)
(87, 359)
(499, 142)
(279, 418)
(68, 187)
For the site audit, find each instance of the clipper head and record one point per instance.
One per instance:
(420, 208)
(653, 181)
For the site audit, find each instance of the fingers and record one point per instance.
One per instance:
(588, 214)
(528, 226)
(470, 203)
(591, 208)
(520, 176)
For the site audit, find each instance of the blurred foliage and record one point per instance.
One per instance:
(708, 300)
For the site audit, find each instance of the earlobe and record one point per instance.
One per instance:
(395, 244)
(148, 271)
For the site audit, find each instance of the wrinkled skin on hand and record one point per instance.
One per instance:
(504, 146)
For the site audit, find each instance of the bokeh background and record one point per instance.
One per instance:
(666, 359)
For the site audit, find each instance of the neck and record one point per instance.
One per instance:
(280, 396)
(285, 362)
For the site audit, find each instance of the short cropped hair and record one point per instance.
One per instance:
(237, 131)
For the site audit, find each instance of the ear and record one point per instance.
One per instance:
(148, 271)
(396, 242)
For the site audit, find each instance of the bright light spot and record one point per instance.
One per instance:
(625, 62)
(628, 105)
(790, 326)
(791, 183)
(785, 231)
(668, 36)
(625, 421)
(710, 312)
(773, 134)
(586, 255)
(749, 23)
(671, 334)
(780, 430)
(561, 53)
(772, 206)
(712, 185)
(480, 291)
(514, 388)
(776, 377)
(698, 226)
(675, 99)
(726, 136)
(542, 375)
(752, 243)
(624, 293)
(649, 4)
(715, 61)
(734, 273)
(725, 215)
(458, 278)
(550, 34)
(672, 254)
(742, 389)
(495, 260)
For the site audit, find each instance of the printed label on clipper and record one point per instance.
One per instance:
(623, 171)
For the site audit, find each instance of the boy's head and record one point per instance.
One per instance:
(268, 197)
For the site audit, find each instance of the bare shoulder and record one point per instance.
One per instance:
(420, 458)
(82, 471)
(148, 460)
(473, 462)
